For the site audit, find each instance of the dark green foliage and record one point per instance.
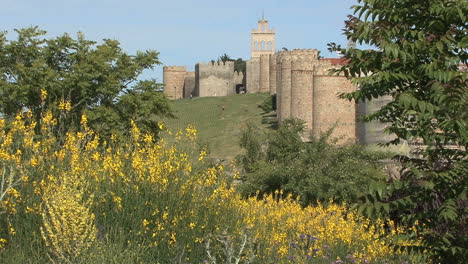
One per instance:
(239, 64)
(224, 58)
(144, 104)
(315, 171)
(92, 77)
(419, 48)
(269, 104)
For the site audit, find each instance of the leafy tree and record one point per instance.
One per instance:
(315, 171)
(419, 48)
(224, 58)
(239, 64)
(78, 76)
(143, 103)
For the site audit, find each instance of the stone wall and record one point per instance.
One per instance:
(306, 91)
(264, 73)
(189, 84)
(174, 81)
(215, 79)
(330, 111)
(373, 132)
(302, 88)
(238, 79)
(273, 74)
(253, 75)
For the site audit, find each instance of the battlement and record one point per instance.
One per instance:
(306, 55)
(335, 61)
(216, 64)
(239, 74)
(175, 68)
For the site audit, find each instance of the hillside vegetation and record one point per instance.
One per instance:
(217, 129)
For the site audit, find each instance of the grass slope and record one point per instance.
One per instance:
(219, 130)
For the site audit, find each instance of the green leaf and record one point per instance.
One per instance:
(440, 46)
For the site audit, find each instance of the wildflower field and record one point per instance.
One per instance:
(79, 199)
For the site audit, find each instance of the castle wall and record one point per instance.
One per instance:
(306, 91)
(279, 89)
(189, 84)
(264, 73)
(238, 79)
(174, 79)
(302, 80)
(285, 95)
(215, 79)
(331, 111)
(272, 74)
(253, 75)
(373, 132)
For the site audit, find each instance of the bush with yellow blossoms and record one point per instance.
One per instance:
(161, 201)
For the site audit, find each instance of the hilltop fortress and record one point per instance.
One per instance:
(301, 81)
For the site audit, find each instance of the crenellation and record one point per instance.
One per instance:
(301, 80)
(174, 79)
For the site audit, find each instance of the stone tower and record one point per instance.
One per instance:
(174, 80)
(263, 40)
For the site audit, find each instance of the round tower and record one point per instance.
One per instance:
(272, 74)
(173, 79)
(302, 80)
(264, 73)
(279, 56)
(330, 111)
(285, 95)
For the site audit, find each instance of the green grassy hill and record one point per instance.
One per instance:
(218, 129)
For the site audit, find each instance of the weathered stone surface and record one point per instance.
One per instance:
(301, 81)
(174, 80)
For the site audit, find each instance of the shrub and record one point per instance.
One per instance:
(158, 202)
(269, 104)
(314, 171)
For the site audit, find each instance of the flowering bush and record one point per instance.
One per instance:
(160, 201)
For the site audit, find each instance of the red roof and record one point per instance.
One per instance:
(336, 61)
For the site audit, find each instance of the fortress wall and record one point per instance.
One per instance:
(330, 110)
(360, 125)
(285, 95)
(302, 80)
(264, 73)
(253, 75)
(278, 84)
(272, 74)
(373, 132)
(215, 79)
(238, 78)
(174, 79)
(189, 84)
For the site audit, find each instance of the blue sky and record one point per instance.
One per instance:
(184, 32)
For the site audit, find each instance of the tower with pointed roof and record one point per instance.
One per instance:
(263, 39)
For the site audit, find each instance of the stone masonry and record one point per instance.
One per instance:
(216, 79)
(301, 81)
(209, 79)
(305, 90)
(174, 81)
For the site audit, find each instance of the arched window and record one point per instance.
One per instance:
(263, 28)
(269, 46)
(263, 45)
(256, 45)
